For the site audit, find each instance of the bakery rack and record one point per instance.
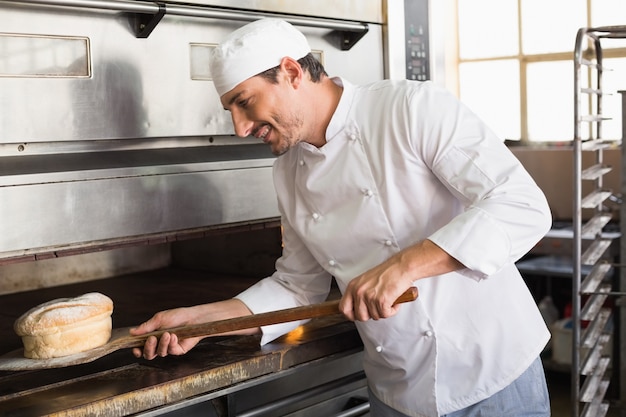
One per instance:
(593, 316)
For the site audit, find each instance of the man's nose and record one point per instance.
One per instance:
(243, 126)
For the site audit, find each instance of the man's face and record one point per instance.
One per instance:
(266, 111)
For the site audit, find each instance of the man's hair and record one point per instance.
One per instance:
(307, 62)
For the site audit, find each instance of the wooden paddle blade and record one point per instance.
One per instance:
(15, 360)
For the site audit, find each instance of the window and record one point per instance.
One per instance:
(515, 64)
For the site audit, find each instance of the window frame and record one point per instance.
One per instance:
(524, 60)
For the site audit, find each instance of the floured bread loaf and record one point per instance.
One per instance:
(65, 326)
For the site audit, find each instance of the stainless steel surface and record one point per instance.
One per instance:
(395, 39)
(140, 88)
(39, 216)
(136, 141)
(359, 10)
(165, 8)
(577, 228)
(117, 5)
(621, 339)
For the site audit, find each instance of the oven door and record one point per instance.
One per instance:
(109, 113)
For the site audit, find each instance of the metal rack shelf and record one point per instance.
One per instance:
(592, 367)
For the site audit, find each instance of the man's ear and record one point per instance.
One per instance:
(292, 71)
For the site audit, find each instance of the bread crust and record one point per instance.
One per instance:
(65, 326)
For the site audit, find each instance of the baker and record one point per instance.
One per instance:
(385, 186)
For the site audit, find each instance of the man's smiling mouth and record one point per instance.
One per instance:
(262, 132)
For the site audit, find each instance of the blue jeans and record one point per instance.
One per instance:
(527, 396)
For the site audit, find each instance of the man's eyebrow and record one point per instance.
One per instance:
(234, 98)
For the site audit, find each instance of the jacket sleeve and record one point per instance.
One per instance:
(298, 280)
(505, 212)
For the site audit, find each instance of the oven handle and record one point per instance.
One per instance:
(149, 13)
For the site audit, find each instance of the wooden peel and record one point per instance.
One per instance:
(121, 338)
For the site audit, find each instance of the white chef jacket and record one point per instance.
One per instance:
(405, 161)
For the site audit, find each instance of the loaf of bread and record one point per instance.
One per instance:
(65, 326)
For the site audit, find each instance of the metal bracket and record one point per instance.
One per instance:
(350, 38)
(143, 24)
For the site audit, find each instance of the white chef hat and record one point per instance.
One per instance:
(252, 49)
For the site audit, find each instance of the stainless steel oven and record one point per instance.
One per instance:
(120, 173)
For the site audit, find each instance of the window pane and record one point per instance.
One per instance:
(612, 82)
(550, 101)
(487, 28)
(491, 90)
(609, 13)
(551, 26)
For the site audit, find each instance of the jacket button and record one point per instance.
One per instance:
(352, 136)
(388, 242)
(379, 349)
(315, 216)
(428, 333)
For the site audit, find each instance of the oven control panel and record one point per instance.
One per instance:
(417, 40)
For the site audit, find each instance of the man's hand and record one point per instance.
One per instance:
(371, 295)
(168, 343)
